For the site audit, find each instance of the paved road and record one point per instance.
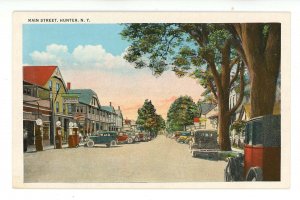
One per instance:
(160, 160)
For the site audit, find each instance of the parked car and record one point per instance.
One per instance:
(184, 137)
(204, 143)
(122, 137)
(132, 137)
(176, 135)
(262, 152)
(144, 137)
(25, 140)
(109, 138)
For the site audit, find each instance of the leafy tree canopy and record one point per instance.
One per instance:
(181, 113)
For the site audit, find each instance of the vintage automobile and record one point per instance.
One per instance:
(261, 159)
(184, 137)
(109, 138)
(122, 138)
(204, 143)
(132, 137)
(143, 137)
(176, 135)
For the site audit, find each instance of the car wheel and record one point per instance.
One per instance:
(90, 143)
(193, 154)
(113, 143)
(130, 140)
(255, 174)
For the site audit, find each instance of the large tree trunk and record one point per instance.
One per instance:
(262, 55)
(224, 122)
(263, 93)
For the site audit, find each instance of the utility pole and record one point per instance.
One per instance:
(52, 125)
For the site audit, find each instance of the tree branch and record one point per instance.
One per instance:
(212, 89)
(235, 76)
(242, 87)
(213, 68)
(273, 49)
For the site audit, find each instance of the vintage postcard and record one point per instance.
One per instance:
(151, 100)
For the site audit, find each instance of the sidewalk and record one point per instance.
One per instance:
(31, 148)
(237, 150)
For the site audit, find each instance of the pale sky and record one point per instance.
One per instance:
(90, 57)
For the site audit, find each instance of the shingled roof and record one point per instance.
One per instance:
(85, 95)
(38, 75)
(206, 107)
(108, 109)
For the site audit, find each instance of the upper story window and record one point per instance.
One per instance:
(50, 85)
(57, 86)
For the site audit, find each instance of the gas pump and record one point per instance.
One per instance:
(73, 139)
(39, 135)
(75, 133)
(58, 137)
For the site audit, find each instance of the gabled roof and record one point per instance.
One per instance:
(85, 95)
(206, 107)
(38, 75)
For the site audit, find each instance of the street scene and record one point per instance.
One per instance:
(159, 160)
(151, 102)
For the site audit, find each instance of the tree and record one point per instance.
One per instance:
(259, 45)
(148, 120)
(181, 113)
(203, 51)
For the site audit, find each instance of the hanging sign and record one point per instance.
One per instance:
(70, 98)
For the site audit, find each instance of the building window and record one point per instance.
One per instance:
(57, 86)
(57, 107)
(70, 108)
(27, 91)
(50, 85)
(65, 109)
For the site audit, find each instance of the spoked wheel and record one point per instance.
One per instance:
(90, 143)
(136, 139)
(113, 143)
(234, 169)
(228, 171)
(130, 140)
(254, 174)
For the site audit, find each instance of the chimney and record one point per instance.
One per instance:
(68, 85)
(110, 104)
(119, 107)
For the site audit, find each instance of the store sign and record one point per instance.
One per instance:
(68, 98)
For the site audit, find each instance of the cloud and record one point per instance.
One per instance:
(82, 57)
(114, 80)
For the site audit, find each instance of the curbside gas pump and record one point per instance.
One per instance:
(58, 137)
(38, 135)
(73, 139)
